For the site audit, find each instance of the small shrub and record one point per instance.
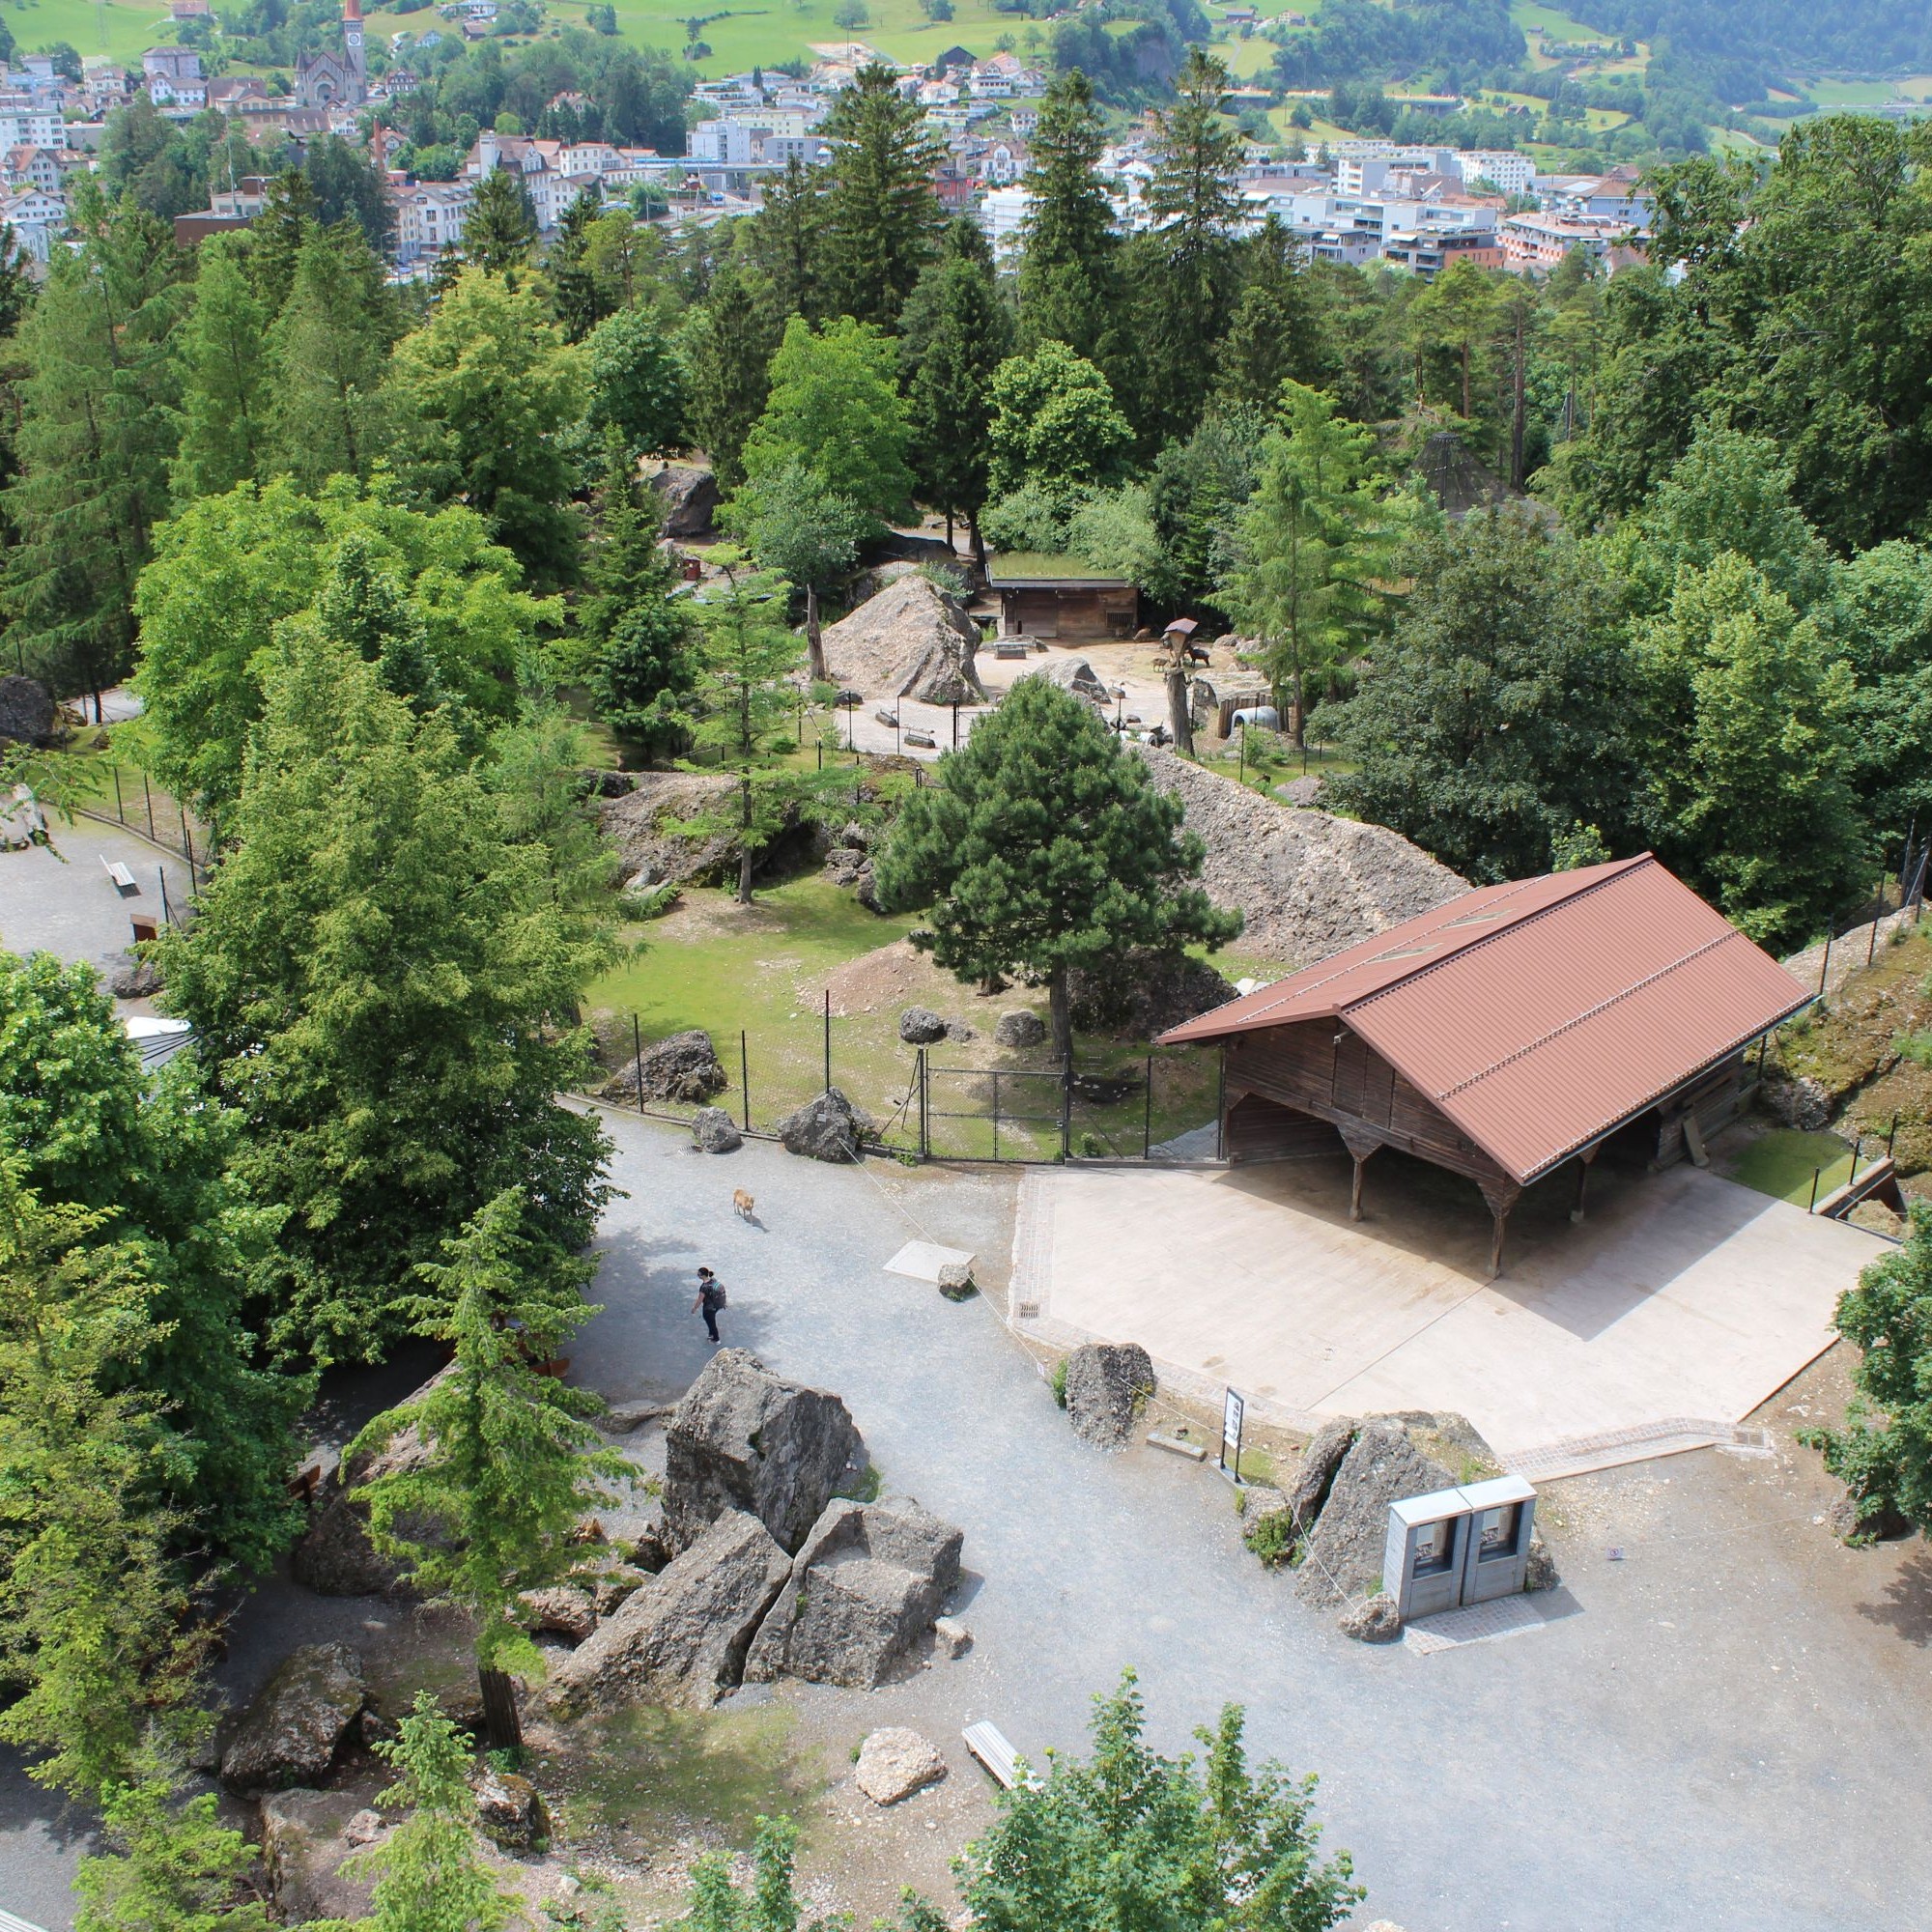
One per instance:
(1057, 1381)
(1272, 1539)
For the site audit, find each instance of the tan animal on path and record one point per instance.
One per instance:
(742, 1205)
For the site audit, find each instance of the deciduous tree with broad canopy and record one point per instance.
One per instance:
(1043, 847)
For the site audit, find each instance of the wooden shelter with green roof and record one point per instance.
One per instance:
(1064, 597)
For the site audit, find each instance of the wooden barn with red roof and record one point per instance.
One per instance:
(1513, 1030)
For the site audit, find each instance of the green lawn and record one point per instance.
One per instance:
(121, 29)
(1782, 1163)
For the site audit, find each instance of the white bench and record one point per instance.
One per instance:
(123, 879)
(988, 1743)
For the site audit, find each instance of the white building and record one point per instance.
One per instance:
(35, 218)
(31, 128)
(1512, 173)
(1001, 212)
(429, 214)
(174, 77)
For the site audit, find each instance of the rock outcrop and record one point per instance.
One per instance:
(510, 1810)
(827, 1127)
(681, 1067)
(681, 1636)
(646, 826)
(130, 977)
(308, 1838)
(27, 714)
(863, 1592)
(336, 1558)
(297, 1721)
(742, 1439)
(1108, 1384)
(921, 1026)
(1372, 1619)
(894, 1763)
(560, 1610)
(1344, 1550)
(1319, 1461)
(911, 640)
(1074, 674)
(688, 497)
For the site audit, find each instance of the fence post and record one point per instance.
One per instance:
(1872, 946)
(150, 797)
(1824, 964)
(1891, 1136)
(1067, 1108)
(745, 1079)
(638, 1059)
(1811, 1207)
(187, 845)
(1221, 1105)
(996, 1113)
(168, 911)
(925, 1136)
(828, 1040)
(118, 813)
(1147, 1113)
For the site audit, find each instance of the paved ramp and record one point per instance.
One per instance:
(1678, 1306)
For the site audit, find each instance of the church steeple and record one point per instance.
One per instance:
(353, 57)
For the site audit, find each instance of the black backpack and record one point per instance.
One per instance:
(715, 1289)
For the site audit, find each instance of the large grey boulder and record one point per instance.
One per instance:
(911, 640)
(688, 496)
(510, 1810)
(1074, 674)
(680, 1637)
(1343, 1552)
(863, 1593)
(682, 1066)
(308, 1839)
(1319, 1461)
(292, 1731)
(1022, 1027)
(742, 1439)
(921, 1026)
(1108, 1384)
(1372, 1619)
(829, 1127)
(561, 1611)
(130, 977)
(27, 714)
(714, 1131)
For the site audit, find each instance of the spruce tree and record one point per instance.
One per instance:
(1045, 847)
(955, 332)
(639, 638)
(277, 234)
(881, 217)
(510, 1466)
(1186, 265)
(225, 375)
(789, 239)
(727, 342)
(501, 228)
(1277, 331)
(95, 431)
(328, 354)
(1067, 269)
(575, 297)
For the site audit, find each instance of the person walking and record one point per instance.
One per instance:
(711, 1297)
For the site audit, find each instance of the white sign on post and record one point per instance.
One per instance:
(1231, 1434)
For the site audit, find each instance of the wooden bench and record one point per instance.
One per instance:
(123, 879)
(988, 1743)
(1010, 647)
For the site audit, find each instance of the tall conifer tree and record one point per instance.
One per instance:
(881, 217)
(224, 364)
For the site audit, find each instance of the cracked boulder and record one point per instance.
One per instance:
(297, 1721)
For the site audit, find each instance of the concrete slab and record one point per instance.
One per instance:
(1679, 1304)
(921, 1261)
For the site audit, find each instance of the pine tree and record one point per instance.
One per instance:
(881, 218)
(328, 351)
(1045, 847)
(509, 1468)
(224, 364)
(955, 332)
(1066, 277)
(728, 342)
(1277, 331)
(501, 228)
(97, 430)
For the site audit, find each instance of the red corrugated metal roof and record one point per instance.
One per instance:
(1539, 1014)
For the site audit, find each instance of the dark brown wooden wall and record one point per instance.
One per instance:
(1345, 1080)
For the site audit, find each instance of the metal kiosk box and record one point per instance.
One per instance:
(1423, 1559)
(1502, 1514)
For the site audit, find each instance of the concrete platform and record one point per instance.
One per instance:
(1679, 1304)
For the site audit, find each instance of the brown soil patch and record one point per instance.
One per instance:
(893, 977)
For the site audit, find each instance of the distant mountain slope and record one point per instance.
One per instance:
(1868, 37)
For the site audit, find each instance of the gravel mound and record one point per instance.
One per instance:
(1307, 884)
(911, 640)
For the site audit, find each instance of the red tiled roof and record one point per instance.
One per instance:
(1538, 1016)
